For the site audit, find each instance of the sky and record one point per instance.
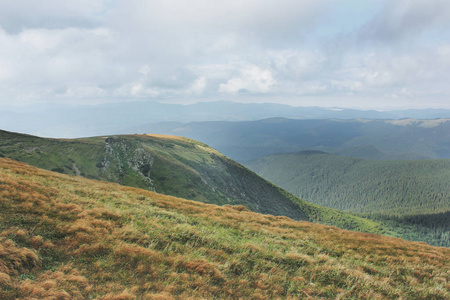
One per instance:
(379, 54)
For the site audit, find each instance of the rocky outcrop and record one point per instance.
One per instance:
(122, 157)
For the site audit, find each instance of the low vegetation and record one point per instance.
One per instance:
(66, 237)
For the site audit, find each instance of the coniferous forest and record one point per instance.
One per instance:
(403, 194)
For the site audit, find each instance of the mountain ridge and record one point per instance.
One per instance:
(171, 165)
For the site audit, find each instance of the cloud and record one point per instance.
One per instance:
(406, 19)
(248, 17)
(251, 79)
(19, 15)
(73, 51)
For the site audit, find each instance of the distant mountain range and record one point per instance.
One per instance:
(363, 138)
(106, 119)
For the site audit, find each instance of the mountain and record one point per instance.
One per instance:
(172, 166)
(363, 138)
(61, 120)
(408, 192)
(169, 165)
(67, 237)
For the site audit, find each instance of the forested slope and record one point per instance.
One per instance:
(359, 185)
(410, 197)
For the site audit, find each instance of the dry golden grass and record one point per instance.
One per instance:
(167, 137)
(72, 238)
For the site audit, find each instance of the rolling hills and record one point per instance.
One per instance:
(67, 237)
(169, 165)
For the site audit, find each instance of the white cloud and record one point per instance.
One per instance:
(171, 49)
(198, 86)
(251, 79)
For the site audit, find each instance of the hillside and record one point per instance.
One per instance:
(172, 166)
(169, 165)
(67, 237)
(366, 186)
(400, 194)
(363, 138)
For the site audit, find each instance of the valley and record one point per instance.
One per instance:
(402, 187)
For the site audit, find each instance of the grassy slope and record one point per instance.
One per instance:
(73, 238)
(170, 165)
(173, 166)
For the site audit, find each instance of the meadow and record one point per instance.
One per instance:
(66, 237)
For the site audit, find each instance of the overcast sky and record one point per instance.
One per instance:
(363, 54)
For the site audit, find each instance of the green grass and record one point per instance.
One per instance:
(67, 237)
